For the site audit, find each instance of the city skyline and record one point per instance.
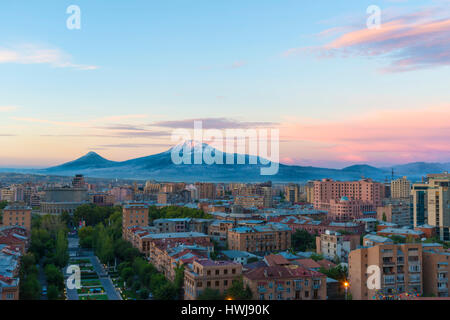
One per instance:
(339, 93)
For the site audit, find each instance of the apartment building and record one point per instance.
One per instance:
(134, 214)
(436, 271)
(281, 280)
(266, 238)
(167, 256)
(400, 188)
(309, 190)
(292, 193)
(399, 265)
(17, 215)
(336, 246)
(431, 204)
(365, 190)
(215, 275)
(346, 209)
(206, 190)
(397, 211)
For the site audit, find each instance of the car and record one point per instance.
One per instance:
(44, 290)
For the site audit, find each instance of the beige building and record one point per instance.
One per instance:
(266, 238)
(335, 246)
(309, 190)
(400, 267)
(431, 204)
(436, 270)
(400, 188)
(134, 214)
(17, 215)
(286, 282)
(206, 190)
(292, 193)
(215, 275)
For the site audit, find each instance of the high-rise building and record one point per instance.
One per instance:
(397, 211)
(366, 191)
(309, 190)
(399, 266)
(78, 181)
(134, 214)
(431, 204)
(400, 188)
(436, 270)
(206, 190)
(292, 193)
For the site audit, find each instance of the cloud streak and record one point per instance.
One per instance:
(35, 54)
(213, 123)
(409, 42)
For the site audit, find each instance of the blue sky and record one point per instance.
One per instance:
(135, 63)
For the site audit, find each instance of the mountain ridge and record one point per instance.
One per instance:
(160, 166)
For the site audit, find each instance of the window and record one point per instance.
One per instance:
(217, 272)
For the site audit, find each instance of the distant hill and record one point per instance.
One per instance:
(161, 167)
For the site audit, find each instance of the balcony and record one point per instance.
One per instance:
(414, 279)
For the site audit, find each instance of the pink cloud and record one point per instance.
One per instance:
(411, 41)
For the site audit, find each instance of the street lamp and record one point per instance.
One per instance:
(346, 285)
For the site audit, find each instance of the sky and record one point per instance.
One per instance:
(340, 93)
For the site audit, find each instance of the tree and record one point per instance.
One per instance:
(384, 217)
(317, 257)
(61, 249)
(54, 276)
(303, 241)
(86, 235)
(53, 292)
(237, 291)
(167, 291)
(337, 273)
(210, 294)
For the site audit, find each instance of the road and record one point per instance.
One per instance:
(105, 280)
(42, 279)
(73, 241)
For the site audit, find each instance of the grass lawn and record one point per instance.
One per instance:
(93, 290)
(90, 282)
(94, 297)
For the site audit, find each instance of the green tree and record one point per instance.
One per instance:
(54, 276)
(61, 249)
(238, 292)
(167, 291)
(53, 292)
(302, 240)
(210, 294)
